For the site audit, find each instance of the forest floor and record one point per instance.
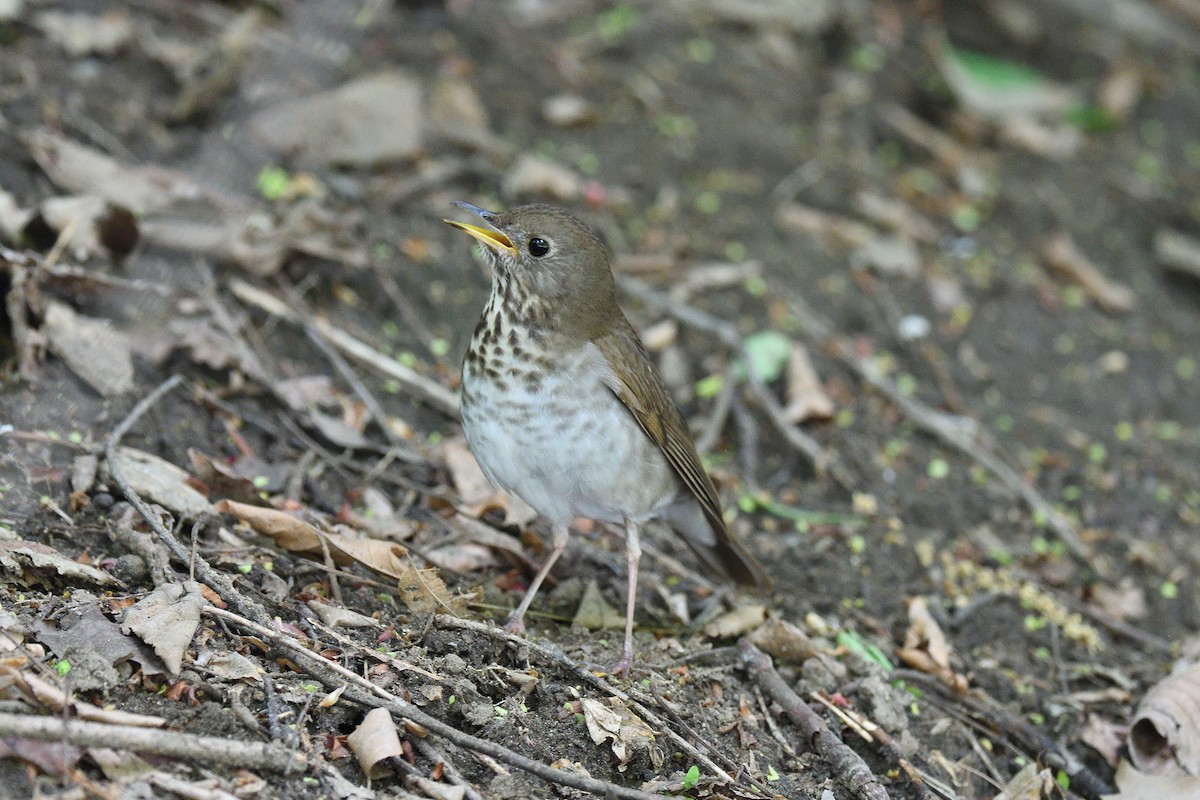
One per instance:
(924, 277)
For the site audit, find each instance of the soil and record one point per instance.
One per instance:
(707, 128)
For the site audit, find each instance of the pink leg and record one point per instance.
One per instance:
(633, 554)
(516, 620)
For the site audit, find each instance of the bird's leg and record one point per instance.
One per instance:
(633, 554)
(516, 620)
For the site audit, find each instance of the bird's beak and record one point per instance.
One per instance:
(490, 237)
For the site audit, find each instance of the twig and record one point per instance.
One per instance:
(728, 335)
(428, 390)
(989, 715)
(186, 746)
(218, 581)
(363, 691)
(870, 731)
(556, 657)
(451, 772)
(854, 774)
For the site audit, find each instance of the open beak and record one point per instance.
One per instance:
(490, 237)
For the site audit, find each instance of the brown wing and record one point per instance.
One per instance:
(635, 381)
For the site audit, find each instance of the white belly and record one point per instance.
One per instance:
(531, 440)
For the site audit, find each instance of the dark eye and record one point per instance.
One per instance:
(538, 247)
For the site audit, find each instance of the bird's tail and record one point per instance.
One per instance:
(714, 544)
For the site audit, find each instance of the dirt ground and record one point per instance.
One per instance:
(977, 222)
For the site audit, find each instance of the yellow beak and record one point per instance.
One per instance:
(493, 240)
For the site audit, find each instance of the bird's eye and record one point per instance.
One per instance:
(538, 247)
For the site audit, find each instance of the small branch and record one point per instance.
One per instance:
(854, 774)
(728, 335)
(363, 691)
(556, 657)
(428, 390)
(217, 580)
(206, 749)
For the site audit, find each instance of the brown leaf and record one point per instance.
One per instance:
(92, 348)
(297, 536)
(1165, 736)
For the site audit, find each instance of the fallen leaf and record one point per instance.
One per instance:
(741, 619)
(1135, 785)
(1164, 738)
(29, 563)
(81, 34)
(594, 612)
(1033, 782)
(92, 348)
(297, 536)
(166, 619)
(375, 742)
(93, 645)
(926, 647)
(370, 120)
(782, 640)
(806, 397)
(614, 721)
(537, 176)
(160, 481)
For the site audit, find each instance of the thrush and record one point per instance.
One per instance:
(562, 406)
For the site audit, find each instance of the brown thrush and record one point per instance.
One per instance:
(562, 406)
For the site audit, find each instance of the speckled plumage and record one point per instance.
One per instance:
(562, 406)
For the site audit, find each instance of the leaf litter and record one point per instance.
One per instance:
(437, 504)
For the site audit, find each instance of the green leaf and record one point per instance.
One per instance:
(273, 182)
(767, 353)
(994, 73)
(852, 641)
(691, 778)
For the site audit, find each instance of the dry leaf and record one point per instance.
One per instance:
(806, 398)
(925, 646)
(1028, 784)
(370, 120)
(92, 348)
(733, 623)
(1164, 738)
(613, 721)
(374, 742)
(297, 536)
(1104, 736)
(461, 558)
(339, 617)
(783, 640)
(1134, 785)
(594, 612)
(166, 619)
(160, 481)
(423, 591)
(32, 562)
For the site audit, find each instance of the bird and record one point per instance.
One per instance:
(562, 406)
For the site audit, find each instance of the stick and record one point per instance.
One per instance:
(363, 691)
(207, 749)
(728, 334)
(854, 774)
(428, 390)
(217, 580)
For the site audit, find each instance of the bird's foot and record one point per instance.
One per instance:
(515, 625)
